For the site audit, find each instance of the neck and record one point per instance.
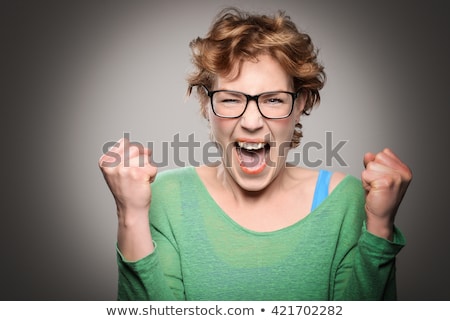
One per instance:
(242, 196)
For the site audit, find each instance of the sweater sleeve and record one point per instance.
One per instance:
(368, 270)
(366, 267)
(143, 279)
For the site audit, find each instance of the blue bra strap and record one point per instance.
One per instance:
(322, 185)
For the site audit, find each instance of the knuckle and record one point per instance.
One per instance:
(103, 165)
(153, 173)
(392, 180)
(100, 162)
(134, 174)
(364, 174)
(370, 166)
(379, 157)
(122, 171)
(408, 174)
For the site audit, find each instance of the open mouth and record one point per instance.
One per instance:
(252, 156)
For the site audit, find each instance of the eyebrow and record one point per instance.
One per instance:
(262, 92)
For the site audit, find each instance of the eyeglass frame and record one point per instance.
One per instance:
(249, 98)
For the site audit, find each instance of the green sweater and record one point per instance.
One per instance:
(202, 254)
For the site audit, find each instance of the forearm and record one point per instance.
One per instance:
(133, 236)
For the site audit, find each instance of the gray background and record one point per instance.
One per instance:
(76, 75)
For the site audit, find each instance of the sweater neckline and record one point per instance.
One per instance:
(236, 225)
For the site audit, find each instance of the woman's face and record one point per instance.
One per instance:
(255, 148)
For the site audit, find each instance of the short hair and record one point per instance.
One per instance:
(236, 36)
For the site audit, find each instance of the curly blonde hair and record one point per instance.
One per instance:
(236, 36)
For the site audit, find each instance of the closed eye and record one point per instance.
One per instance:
(230, 101)
(274, 101)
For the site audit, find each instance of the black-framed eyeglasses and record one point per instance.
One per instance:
(233, 104)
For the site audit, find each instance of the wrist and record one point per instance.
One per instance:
(380, 227)
(130, 218)
(134, 236)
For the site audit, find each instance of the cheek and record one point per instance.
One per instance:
(283, 128)
(220, 128)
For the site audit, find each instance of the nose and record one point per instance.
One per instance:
(252, 119)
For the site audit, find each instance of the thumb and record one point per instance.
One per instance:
(368, 157)
(151, 169)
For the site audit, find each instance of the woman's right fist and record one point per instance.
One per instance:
(127, 170)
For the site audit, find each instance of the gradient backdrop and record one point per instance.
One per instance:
(78, 74)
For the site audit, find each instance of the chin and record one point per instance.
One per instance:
(251, 181)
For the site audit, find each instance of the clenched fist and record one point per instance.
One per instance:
(385, 179)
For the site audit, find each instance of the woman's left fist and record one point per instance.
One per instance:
(385, 179)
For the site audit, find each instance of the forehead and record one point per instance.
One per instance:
(257, 75)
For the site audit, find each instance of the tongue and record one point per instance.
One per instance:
(252, 161)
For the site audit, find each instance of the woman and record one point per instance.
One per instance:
(255, 228)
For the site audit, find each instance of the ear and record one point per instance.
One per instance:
(206, 112)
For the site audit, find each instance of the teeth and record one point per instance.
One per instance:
(250, 146)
